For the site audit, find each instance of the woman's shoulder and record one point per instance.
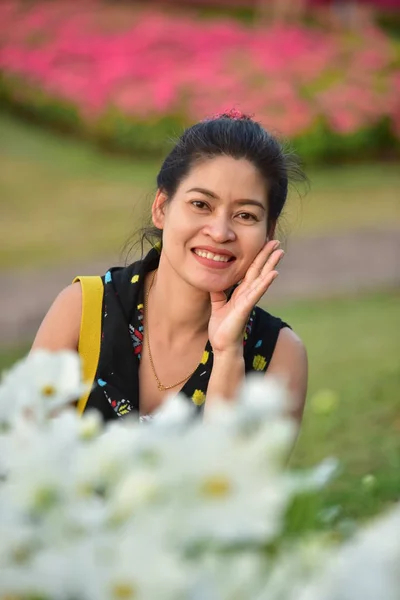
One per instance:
(67, 302)
(290, 362)
(60, 326)
(286, 356)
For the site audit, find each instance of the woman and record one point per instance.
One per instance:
(185, 318)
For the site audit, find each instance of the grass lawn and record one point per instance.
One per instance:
(63, 200)
(353, 408)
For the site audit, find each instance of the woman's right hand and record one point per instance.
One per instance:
(228, 318)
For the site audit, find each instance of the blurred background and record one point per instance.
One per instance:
(91, 96)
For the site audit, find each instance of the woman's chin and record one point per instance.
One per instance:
(210, 286)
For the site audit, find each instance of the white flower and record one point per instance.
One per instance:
(90, 425)
(106, 458)
(135, 491)
(216, 492)
(227, 576)
(175, 412)
(178, 509)
(293, 570)
(317, 477)
(367, 567)
(18, 539)
(264, 397)
(40, 384)
(131, 567)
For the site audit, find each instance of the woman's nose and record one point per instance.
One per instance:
(220, 229)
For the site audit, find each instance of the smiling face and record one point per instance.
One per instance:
(215, 224)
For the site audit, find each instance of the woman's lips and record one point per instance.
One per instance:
(211, 263)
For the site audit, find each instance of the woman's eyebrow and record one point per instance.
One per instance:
(246, 202)
(204, 191)
(214, 196)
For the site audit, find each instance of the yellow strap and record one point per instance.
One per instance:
(90, 331)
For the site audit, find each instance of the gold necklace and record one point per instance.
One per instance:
(160, 385)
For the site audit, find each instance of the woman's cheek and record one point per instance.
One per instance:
(242, 271)
(251, 257)
(255, 251)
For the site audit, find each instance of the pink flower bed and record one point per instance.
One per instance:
(147, 65)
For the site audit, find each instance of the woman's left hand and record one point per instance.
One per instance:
(228, 318)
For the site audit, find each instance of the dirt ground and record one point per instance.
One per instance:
(316, 267)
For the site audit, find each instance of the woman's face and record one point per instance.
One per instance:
(216, 223)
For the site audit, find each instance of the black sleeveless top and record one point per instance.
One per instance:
(116, 386)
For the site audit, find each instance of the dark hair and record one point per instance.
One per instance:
(239, 136)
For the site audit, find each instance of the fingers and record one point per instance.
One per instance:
(272, 262)
(249, 296)
(266, 260)
(260, 275)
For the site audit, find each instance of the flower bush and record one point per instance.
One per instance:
(169, 508)
(130, 78)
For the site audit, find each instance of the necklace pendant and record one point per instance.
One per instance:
(160, 387)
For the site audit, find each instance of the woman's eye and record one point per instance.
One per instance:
(199, 204)
(247, 217)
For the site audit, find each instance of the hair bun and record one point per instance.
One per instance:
(234, 114)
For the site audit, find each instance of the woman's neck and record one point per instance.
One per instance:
(177, 308)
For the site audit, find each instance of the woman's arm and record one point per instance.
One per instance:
(61, 326)
(225, 332)
(289, 361)
(226, 376)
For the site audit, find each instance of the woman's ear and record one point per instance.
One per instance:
(158, 209)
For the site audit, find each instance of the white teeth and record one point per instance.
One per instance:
(211, 256)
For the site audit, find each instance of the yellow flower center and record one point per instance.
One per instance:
(44, 497)
(123, 591)
(216, 486)
(48, 390)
